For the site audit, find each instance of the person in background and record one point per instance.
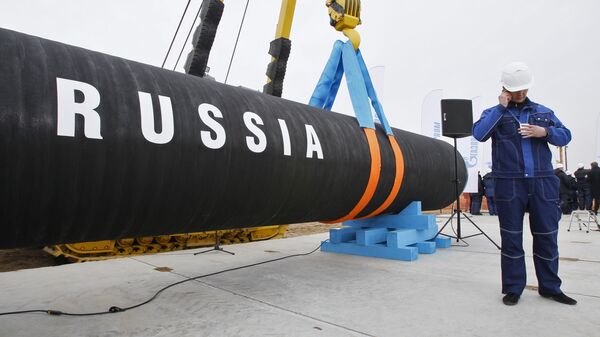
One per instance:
(584, 188)
(522, 166)
(488, 184)
(475, 204)
(594, 176)
(564, 188)
(572, 192)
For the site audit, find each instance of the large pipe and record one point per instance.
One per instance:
(95, 147)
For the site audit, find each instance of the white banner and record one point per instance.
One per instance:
(431, 114)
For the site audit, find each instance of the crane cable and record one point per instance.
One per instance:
(188, 35)
(175, 35)
(190, 31)
(236, 41)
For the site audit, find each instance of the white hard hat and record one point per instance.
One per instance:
(568, 172)
(516, 76)
(580, 165)
(559, 166)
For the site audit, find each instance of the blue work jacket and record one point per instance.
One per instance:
(512, 155)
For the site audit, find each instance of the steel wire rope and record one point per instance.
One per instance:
(236, 41)
(188, 35)
(175, 35)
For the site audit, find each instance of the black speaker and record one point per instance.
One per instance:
(457, 117)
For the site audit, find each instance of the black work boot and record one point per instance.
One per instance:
(561, 298)
(511, 299)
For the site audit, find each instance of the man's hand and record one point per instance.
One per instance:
(504, 98)
(532, 131)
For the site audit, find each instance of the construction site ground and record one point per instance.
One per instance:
(454, 292)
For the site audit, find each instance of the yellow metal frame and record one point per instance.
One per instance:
(286, 17)
(284, 24)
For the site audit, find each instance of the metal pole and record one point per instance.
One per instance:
(456, 182)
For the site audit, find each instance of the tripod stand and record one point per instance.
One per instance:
(458, 211)
(216, 247)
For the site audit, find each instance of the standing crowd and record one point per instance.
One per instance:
(580, 190)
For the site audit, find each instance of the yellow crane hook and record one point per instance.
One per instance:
(344, 17)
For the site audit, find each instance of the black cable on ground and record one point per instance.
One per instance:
(236, 41)
(175, 35)
(115, 309)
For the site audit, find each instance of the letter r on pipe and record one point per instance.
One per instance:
(67, 107)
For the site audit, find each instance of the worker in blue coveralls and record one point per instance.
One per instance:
(522, 168)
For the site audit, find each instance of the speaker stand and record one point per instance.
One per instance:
(458, 211)
(217, 247)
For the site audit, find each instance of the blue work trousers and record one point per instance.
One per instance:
(540, 197)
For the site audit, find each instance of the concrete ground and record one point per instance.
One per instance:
(454, 292)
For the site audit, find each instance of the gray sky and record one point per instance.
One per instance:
(457, 46)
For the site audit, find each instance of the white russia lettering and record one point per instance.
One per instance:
(147, 112)
(68, 107)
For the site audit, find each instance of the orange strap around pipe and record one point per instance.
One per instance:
(373, 177)
(399, 159)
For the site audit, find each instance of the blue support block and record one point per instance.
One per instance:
(402, 237)
(380, 251)
(395, 221)
(426, 247)
(406, 237)
(338, 235)
(399, 236)
(410, 217)
(442, 242)
(371, 236)
(414, 208)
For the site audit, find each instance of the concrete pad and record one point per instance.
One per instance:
(454, 292)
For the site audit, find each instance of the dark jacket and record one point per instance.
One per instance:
(594, 176)
(582, 177)
(567, 183)
(512, 155)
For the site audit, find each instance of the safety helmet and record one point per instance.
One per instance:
(560, 166)
(580, 165)
(516, 76)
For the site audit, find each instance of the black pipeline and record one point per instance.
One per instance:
(96, 147)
